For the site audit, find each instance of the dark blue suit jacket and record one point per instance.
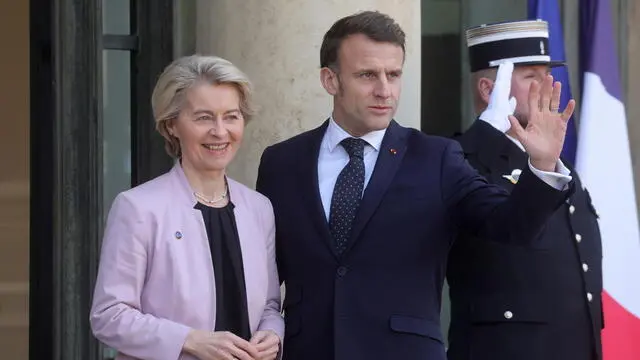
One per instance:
(381, 298)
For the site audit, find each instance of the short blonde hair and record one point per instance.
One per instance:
(183, 74)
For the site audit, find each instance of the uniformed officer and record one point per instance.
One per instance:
(508, 302)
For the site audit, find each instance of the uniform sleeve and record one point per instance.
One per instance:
(488, 211)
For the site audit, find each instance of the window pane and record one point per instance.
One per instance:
(116, 154)
(116, 124)
(441, 63)
(116, 17)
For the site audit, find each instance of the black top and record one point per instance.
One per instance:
(231, 295)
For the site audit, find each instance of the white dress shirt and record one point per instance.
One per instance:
(333, 158)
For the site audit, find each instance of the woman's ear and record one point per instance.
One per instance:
(329, 80)
(171, 128)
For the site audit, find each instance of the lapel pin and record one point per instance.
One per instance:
(178, 235)
(393, 151)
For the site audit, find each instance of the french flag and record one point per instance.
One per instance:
(604, 162)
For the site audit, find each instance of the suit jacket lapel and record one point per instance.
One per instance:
(309, 188)
(392, 152)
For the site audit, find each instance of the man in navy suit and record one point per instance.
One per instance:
(366, 210)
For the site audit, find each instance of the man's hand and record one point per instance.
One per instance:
(267, 343)
(219, 345)
(544, 136)
(500, 105)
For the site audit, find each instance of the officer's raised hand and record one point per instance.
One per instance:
(544, 135)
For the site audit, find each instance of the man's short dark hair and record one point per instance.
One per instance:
(373, 24)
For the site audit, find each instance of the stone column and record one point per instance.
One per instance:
(14, 182)
(277, 43)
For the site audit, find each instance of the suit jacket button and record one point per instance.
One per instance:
(572, 209)
(589, 296)
(578, 237)
(342, 271)
(508, 314)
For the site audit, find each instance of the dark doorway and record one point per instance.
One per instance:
(69, 50)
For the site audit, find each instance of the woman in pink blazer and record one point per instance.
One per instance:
(187, 267)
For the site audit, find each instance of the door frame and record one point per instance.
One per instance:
(66, 44)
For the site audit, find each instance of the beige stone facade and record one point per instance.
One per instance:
(277, 43)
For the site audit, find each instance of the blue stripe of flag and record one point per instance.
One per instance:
(549, 11)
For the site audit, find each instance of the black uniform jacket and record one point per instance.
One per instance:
(526, 302)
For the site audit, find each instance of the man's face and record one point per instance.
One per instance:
(521, 80)
(366, 85)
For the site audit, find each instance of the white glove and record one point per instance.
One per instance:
(500, 105)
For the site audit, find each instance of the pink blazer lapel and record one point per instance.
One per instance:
(185, 198)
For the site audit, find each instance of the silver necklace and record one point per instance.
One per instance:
(213, 201)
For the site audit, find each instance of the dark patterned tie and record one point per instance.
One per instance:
(347, 193)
